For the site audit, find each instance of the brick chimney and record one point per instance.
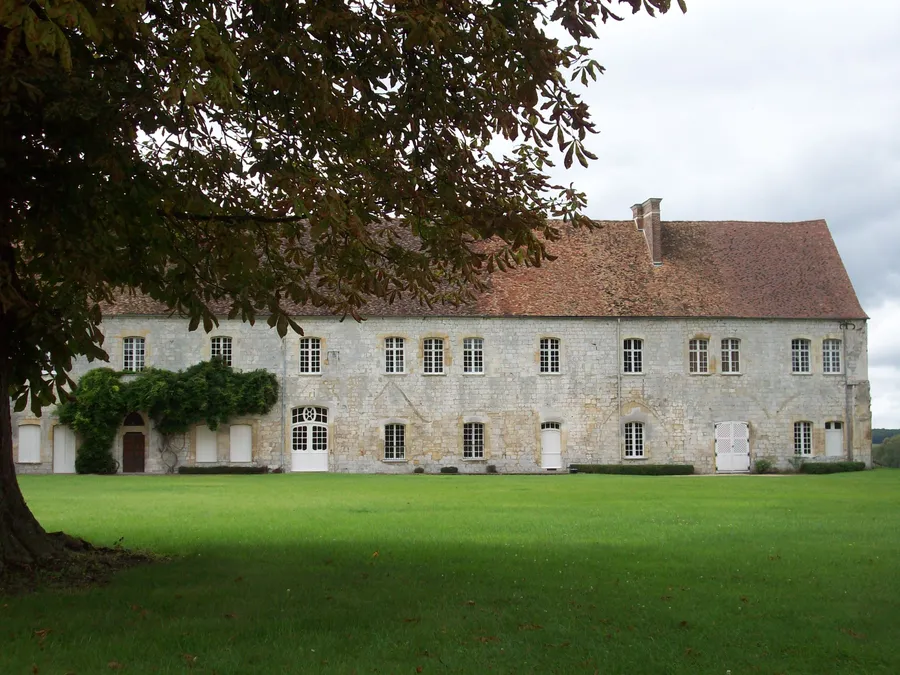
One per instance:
(646, 217)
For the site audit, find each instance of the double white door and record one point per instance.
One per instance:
(732, 447)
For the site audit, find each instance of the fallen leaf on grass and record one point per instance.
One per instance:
(488, 638)
(852, 633)
(683, 624)
(419, 669)
(665, 598)
(231, 615)
(189, 659)
(114, 665)
(561, 644)
(413, 620)
(375, 555)
(469, 602)
(530, 626)
(34, 669)
(42, 633)
(744, 599)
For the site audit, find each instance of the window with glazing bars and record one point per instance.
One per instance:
(698, 355)
(800, 355)
(731, 355)
(220, 348)
(473, 355)
(634, 439)
(473, 440)
(310, 355)
(633, 356)
(802, 438)
(549, 355)
(133, 354)
(394, 361)
(394, 441)
(433, 362)
(831, 355)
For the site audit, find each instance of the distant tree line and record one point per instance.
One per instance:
(879, 435)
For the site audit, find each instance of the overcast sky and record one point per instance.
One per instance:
(763, 110)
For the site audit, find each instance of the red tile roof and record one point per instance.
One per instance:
(710, 269)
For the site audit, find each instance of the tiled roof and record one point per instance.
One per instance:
(710, 269)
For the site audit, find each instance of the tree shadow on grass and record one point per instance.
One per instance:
(444, 606)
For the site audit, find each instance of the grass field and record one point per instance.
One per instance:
(489, 574)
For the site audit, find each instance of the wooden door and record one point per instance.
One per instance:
(133, 452)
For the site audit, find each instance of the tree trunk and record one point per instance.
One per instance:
(23, 542)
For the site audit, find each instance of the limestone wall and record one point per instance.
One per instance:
(591, 398)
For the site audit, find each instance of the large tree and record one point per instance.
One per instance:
(253, 152)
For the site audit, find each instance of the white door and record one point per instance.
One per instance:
(732, 447)
(63, 450)
(551, 452)
(834, 439)
(309, 439)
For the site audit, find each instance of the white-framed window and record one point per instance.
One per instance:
(549, 355)
(473, 440)
(473, 356)
(433, 351)
(831, 355)
(309, 430)
(394, 360)
(698, 355)
(220, 347)
(310, 355)
(800, 355)
(633, 355)
(133, 354)
(802, 438)
(394, 441)
(29, 444)
(731, 355)
(634, 440)
(550, 425)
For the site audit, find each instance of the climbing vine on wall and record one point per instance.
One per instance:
(208, 392)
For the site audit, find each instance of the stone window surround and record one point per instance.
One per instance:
(395, 348)
(636, 414)
(223, 340)
(738, 350)
(699, 340)
(134, 353)
(478, 419)
(809, 353)
(799, 436)
(840, 351)
(549, 352)
(641, 350)
(444, 361)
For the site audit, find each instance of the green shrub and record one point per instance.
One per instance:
(223, 469)
(764, 465)
(888, 453)
(637, 469)
(491, 468)
(419, 469)
(831, 467)
(449, 469)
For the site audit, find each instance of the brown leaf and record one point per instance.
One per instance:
(665, 598)
(231, 615)
(375, 555)
(488, 638)
(419, 669)
(34, 669)
(683, 624)
(42, 633)
(189, 659)
(114, 665)
(238, 579)
(852, 633)
(469, 602)
(413, 620)
(530, 626)
(744, 599)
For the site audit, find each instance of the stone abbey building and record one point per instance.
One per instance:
(705, 343)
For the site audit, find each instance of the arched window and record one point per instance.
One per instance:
(133, 419)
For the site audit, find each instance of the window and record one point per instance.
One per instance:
(634, 440)
(310, 355)
(802, 438)
(241, 443)
(309, 432)
(434, 356)
(473, 356)
(633, 361)
(221, 349)
(394, 441)
(550, 425)
(549, 355)
(29, 444)
(731, 355)
(831, 356)
(473, 440)
(800, 355)
(698, 355)
(393, 355)
(133, 354)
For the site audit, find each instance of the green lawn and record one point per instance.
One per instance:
(453, 574)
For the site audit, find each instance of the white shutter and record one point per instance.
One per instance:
(206, 445)
(241, 443)
(29, 444)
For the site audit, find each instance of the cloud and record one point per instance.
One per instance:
(764, 110)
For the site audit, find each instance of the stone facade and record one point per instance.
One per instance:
(591, 398)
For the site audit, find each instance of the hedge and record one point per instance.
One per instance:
(636, 469)
(223, 469)
(449, 469)
(831, 467)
